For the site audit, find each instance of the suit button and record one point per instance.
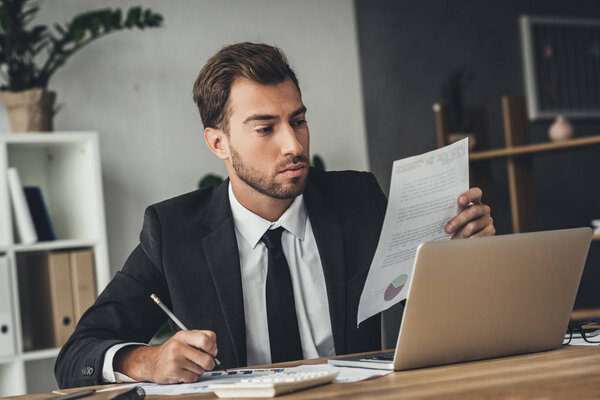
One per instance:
(87, 371)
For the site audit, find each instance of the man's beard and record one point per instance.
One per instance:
(267, 187)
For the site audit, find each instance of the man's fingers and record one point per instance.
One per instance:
(473, 227)
(200, 359)
(472, 195)
(178, 370)
(183, 358)
(204, 340)
(465, 216)
(489, 230)
(193, 367)
(186, 376)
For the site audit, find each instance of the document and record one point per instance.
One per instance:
(346, 374)
(423, 195)
(214, 377)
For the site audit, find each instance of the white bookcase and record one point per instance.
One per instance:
(66, 165)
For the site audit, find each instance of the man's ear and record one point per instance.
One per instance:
(217, 142)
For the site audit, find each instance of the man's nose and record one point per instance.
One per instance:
(290, 143)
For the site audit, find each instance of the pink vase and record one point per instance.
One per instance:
(561, 129)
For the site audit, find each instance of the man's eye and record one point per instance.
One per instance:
(298, 122)
(265, 129)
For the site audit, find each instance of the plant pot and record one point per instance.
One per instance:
(30, 110)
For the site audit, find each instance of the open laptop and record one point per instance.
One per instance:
(486, 297)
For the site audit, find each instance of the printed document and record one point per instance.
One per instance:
(423, 195)
(212, 377)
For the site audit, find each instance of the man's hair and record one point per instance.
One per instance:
(257, 62)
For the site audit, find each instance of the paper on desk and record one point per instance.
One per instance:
(201, 386)
(582, 342)
(423, 195)
(346, 375)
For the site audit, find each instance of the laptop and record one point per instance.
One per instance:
(486, 297)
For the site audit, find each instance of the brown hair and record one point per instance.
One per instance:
(257, 62)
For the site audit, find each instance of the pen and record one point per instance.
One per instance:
(136, 393)
(182, 327)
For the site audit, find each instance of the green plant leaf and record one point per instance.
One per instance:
(20, 47)
(59, 28)
(133, 17)
(78, 35)
(318, 162)
(117, 19)
(209, 179)
(95, 25)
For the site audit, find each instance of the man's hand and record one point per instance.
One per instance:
(178, 360)
(474, 219)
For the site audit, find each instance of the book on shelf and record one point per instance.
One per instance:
(7, 320)
(81, 264)
(23, 221)
(56, 288)
(39, 213)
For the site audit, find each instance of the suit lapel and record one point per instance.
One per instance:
(220, 247)
(328, 234)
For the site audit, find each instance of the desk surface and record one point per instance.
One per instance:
(571, 372)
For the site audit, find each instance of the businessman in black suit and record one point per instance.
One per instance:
(269, 266)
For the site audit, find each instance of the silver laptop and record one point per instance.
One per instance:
(486, 297)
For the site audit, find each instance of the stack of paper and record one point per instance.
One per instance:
(211, 378)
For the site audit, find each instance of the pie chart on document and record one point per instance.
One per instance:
(395, 287)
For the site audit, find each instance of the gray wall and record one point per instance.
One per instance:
(134, 88)
(408, 48)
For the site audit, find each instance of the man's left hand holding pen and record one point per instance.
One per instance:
(181, 359)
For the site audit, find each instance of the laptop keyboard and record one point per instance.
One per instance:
(382, 358)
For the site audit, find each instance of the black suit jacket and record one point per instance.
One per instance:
(188, 256)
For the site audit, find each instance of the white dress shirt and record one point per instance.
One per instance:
(310, 293)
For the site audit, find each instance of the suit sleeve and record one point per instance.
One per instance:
(122, 313)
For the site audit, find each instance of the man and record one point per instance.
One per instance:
(267, 267)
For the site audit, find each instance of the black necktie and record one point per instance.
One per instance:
(284, 336)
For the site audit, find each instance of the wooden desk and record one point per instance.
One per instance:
(571, 372)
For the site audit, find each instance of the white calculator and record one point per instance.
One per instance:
(273, 385)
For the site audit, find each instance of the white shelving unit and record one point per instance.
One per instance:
(66, 165)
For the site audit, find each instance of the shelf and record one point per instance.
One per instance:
(32, 355)
(54, 245)
(50, 245)
(40, 354)
(66, 167)
(534, 148)
(45, 139)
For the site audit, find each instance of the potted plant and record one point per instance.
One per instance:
(25, 69)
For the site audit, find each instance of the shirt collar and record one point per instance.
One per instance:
(252, 227)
